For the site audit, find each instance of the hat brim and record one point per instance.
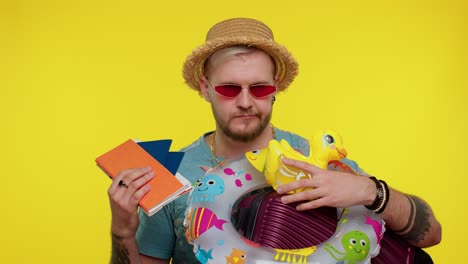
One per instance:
(286, 65)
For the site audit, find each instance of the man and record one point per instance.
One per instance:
(239, 70)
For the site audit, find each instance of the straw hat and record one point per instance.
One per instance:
(240, 32)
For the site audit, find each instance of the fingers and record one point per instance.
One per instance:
(336, 189)
(311, 199)
(305, 167)
(306, 195)
(310, 205)
(300, 184)
(138, 188)
(301, 165)
(130, 185)
(128, 176)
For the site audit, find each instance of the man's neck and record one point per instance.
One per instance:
(228, 148)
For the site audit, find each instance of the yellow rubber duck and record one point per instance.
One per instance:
(325, 145)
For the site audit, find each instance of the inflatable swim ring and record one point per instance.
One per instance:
(215, 240)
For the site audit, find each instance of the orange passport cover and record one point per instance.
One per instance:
(130, 155)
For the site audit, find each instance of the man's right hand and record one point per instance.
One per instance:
(125, 192)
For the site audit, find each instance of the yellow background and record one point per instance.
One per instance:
(80, 77)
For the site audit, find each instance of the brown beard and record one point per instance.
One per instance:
(242, 137)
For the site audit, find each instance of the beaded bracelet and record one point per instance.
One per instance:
(382, 197)
(385, 199)
(378, 198)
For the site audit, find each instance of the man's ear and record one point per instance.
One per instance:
(276, 85)
(204, 88)
(276, 80)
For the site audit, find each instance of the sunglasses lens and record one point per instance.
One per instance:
(262, 90)
(228, 90)
(231, 90)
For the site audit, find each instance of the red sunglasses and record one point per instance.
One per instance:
(257, 91)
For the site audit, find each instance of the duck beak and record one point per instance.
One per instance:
(342, 153)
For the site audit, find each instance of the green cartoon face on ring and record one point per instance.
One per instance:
(355, 243)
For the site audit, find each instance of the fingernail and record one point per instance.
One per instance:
(151, 174)
(284, 199)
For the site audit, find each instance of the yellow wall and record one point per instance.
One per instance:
(79, 77)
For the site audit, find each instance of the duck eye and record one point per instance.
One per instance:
(329, 139)
(255, 151)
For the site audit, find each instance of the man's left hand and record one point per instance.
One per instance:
(327, 188)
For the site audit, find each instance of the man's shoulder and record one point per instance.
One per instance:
(296, 141)
(196, 148)
(285, 134)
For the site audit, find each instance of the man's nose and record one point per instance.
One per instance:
(244, 99)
